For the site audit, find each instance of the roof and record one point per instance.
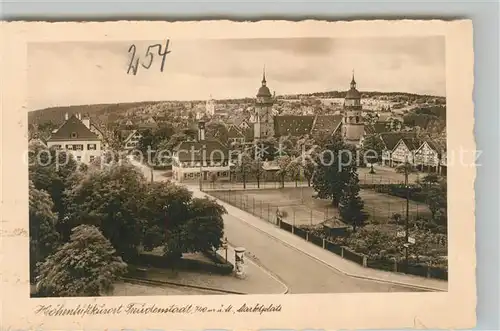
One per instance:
(353, 93)
(411, 143)
(391, 139)
(264, 92)
(326, 123)
(186, 150)
(127, 134)
(73, 129)
(436, 145)
(293, 125)
(234, 132)
(249, 134)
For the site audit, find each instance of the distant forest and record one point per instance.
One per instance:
(56, 114)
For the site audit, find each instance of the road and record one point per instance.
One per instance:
(300, 272)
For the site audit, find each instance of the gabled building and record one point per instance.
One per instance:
(431, 157)
(200, 158)
(404, 151)
(132, 138)
(390, 140)
(75, 137)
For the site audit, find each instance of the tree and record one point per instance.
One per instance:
(351, 205)
(256, 164)
(294, 170)
(42, 221)
(49, 170)
(111, 199)
(85, 266)
(430, 179)
(180, 223)
(372, 150)
(335, 167)
(244, 166)
(218, 131)
(283, 162)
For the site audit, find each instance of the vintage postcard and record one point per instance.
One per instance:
(238, 175)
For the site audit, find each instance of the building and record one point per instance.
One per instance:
(76, 137)
(205, 158)
(210, 107)
(132, 138)
(349, 123)
(353, 128)
(390, 141)
(431, 157)
(263, 119)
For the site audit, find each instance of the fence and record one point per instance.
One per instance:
(292, 211)
(308, 211)
(291, 223)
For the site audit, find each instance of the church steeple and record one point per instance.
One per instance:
(353, 82)
(264, 76)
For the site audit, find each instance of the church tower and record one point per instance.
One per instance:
(210, 107)
(352, 124)
(263, 119)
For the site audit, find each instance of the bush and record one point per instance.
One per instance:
(219, 265)
(398, 190)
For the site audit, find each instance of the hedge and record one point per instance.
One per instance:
(398, 190)
(318, 241)
(334, 248)
(299, 232)
(285, 226)
(351, 256)
(382, 264)
(218, 265)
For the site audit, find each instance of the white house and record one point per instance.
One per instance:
(132, 139)
(430, 156)
(403, 152)
(75, 137)
(207, 158)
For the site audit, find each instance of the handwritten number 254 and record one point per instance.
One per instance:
(148, 61)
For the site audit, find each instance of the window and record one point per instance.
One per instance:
(69, 147)
(91, 147)
(74, 135)
(92, 157)
(78, 158)
(78, 147)
(57, 146)
(185, 176)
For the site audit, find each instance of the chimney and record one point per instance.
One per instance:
(201, 130)
(66, 116)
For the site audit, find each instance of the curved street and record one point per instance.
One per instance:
(299, 271)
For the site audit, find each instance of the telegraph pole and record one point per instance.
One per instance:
(407, 164)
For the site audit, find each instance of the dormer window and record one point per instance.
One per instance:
(74, 135)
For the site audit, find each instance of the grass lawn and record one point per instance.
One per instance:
(302, 209)
(130, 289)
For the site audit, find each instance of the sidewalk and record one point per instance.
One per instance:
(257, 280)
(332, 260)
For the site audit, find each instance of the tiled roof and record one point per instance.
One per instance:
(249, 133)
(234, 132)
(73, 129)
(391, 139)
(326, 123)
(293, 125)
(411, 143)
(436, 145)
(185, 150)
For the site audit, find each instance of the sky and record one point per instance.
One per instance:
(62, 74)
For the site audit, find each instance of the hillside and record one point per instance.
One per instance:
(102, 112)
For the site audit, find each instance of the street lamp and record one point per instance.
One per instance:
(224, 245)
(201, 166)
(407, 164)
